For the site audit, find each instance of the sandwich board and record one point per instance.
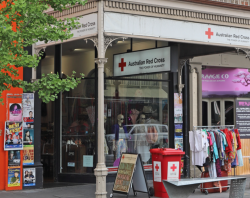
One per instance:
(130, 174)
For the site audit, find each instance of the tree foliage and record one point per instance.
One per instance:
(244, 78)
(23, 23)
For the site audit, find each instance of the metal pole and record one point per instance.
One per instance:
(186, 169)
(101, 171)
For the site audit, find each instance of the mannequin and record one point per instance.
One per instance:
(141, 140)
(121, 133)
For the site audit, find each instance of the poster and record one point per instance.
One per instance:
(243, 117)
(15, 111)
(28, 155)
(14, 177)
(125, 173)
(13, 158)
(178, 112)
(178, 130)
(179, 143)
(28, 136)
(29, 177)
(13, 135)
(28, 110)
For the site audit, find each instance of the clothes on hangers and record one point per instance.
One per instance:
(218, 150)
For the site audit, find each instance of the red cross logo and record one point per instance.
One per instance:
(157, 167)
(173, 167)
(123, 157)
(209, 33)
(122, 64)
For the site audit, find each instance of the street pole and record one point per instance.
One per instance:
(101, 171)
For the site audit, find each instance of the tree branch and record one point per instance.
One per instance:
(26, 24)
(1, 43)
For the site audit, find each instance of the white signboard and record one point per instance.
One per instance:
(147, 61)
(157, 171)
(173, 171)
(174, 29)
(87, 26)
(88, 160)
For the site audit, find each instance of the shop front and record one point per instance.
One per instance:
(140, 93)
(137, 102)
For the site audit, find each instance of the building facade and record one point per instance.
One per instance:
(143, 63)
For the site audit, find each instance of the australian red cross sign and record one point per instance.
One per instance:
(142, 62)
(157, 171)
(173, 171)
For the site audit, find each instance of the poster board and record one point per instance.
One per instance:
(13, 134)
(130, 173)
(29, 177)
(242, 117)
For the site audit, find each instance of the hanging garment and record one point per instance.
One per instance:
(212, 170)
(229, 138)
(198, 142)
(240, 158)
(218, 169)
(238, 139)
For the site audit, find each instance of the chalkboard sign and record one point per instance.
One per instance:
(130, 169)
(237, 188)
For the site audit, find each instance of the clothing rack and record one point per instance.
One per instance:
(212, 127)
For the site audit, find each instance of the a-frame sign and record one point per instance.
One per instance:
(130, 173)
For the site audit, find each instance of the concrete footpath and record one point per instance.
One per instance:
(88, 191)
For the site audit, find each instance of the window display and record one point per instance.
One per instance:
(136, 118)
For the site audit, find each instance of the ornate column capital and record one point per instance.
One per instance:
(107, 41)
(37, 50)
(101, 60)
(246, 51)
(182, 63)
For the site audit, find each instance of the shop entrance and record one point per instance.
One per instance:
(47, 140)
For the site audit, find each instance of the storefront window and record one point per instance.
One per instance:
(136, 117)
(78, 130)
(229, 113)
(215, 113)
(47, 120)
(47, 64)
(78, 134)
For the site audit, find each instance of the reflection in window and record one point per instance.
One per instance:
(78, 129)
(137, 118)
(215, 113)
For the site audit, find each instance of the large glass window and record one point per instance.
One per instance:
(47, 120)
(78, 129)
(78, 134)
(136, 116)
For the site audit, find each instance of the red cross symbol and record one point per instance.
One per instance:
(209, 33)
(123, 157)
(173, 167)
(122, 64)
(157, 167)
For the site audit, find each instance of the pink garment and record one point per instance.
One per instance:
(209, 139)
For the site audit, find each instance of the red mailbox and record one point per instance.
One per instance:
(166, 165)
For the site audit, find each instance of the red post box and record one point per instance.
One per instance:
(166, 165)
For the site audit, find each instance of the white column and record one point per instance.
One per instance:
(101, 171)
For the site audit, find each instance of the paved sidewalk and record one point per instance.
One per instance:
(88, 191)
